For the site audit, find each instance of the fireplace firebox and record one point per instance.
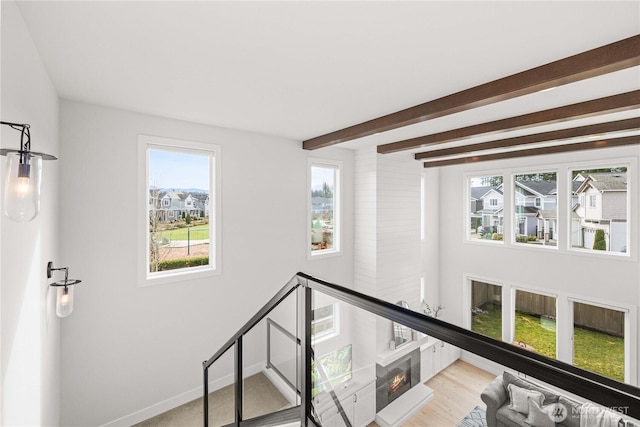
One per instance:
(396, 378)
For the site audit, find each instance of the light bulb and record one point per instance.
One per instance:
(64, 301)
(22, 187)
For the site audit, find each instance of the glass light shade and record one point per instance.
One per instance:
(22, 188)
(64, 301)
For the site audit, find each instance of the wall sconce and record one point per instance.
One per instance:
(64, 296)
(22, 185)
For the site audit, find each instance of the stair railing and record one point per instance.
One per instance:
(589, 385)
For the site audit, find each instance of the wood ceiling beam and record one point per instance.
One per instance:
(557, 135)
(609, 104)
(602, 60)
(564, 148)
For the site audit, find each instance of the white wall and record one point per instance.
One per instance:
(387, 232)
(611, 280)
(126, 348)
(30, 347)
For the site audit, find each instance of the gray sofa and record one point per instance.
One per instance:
(499, 414)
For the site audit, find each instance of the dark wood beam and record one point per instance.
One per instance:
(610, 104)
(602, 60)
(564, 148)
(557, 135)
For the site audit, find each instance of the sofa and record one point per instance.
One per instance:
(513, 401)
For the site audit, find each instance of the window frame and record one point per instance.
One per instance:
(336, 250)
(214, 152)
(335, 319)
(628, 339)
(467, 236)
(631, 208)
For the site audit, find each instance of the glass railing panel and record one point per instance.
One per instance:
(343, 375)
(221, 398)
(270, 362)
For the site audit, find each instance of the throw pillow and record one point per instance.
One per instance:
(509, 378)
(519, 398)
(539, 416)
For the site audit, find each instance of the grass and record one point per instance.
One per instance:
(593, 351)
(197, 233)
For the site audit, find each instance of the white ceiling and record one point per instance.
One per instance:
(303, 69)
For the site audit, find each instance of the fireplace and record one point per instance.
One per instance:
(394, 379)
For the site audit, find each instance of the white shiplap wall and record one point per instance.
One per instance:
(387, 235)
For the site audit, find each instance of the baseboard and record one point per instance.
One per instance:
(181, 399)
(282, 386)
(482, 363)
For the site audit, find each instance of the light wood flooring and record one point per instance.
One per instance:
(456, 391)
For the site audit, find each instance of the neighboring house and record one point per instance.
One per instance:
(602, 205)
(172, 205)
(492, 208)
(531, 198)
(476, 204)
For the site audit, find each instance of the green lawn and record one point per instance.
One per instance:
(593, 351)
(197, 233)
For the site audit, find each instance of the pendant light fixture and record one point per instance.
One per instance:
(22, 184)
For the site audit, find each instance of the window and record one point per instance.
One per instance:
(486, 213)
(598, 340)
(324, 207)
(535, 322)
(422, 206)
(181, 232)
(486, 309)
(535, 208)
(601, 225)
(325, 323)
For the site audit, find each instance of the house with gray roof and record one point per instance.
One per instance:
(602, 205)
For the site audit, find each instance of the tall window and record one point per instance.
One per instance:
(324, 206)
(535, 208)
(180, 218)
(325, 323)
(598, 340)
(599, 209)
(486, 309)
(486, 208)
(535, 322)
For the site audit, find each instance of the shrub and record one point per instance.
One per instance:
(496, 236)
(181, 263)
(521, 239)
(531, 238)
(599, 243)
(187, 219)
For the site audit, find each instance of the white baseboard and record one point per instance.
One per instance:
(282, 386)
(180, 399)
(482, 363)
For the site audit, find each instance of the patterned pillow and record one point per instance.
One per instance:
(539, 416)
(519, 398)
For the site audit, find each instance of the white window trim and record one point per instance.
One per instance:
(630, 318)
(467, 239)
(145, 278)
(563, 205)
(633, 208)
(337, 209)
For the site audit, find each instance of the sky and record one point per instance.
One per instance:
(170, 169)
(320, 175)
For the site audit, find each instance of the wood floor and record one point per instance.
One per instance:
(456, 391)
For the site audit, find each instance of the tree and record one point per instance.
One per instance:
(599, 242)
